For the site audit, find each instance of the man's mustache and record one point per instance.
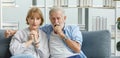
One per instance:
(56, 25)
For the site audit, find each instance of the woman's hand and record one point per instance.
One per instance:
(34, 36)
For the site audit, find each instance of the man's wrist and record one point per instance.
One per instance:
(65, 38)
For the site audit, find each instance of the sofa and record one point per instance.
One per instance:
(96, 44)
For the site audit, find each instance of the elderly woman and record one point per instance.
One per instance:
(30, 42)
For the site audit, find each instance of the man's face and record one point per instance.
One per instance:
(57, 18)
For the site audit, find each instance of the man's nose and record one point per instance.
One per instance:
(56, 21)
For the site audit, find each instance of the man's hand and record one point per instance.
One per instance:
(9, 33)
(58, 29)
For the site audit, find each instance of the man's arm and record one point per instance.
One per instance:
(75, 46)
(9, 33)
(72, 44)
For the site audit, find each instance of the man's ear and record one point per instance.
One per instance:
(65, 17)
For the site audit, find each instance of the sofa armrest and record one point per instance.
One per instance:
(97, 44)
(4, 45)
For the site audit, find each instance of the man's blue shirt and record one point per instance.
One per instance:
(71, 31)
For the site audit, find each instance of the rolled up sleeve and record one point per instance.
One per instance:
(77, 36)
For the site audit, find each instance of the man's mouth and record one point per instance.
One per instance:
(56, 24)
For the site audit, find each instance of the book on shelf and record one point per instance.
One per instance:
(108, 3)
(99, 23)
(112, 31)
(57, 2)
(118, 33)
(73, 3)
(82, 27)
(64, 3)
(80, 3)
(85, 3)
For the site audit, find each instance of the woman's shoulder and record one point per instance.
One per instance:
(23, 31)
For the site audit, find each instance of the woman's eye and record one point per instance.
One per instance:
(38, 18)
(31, 18)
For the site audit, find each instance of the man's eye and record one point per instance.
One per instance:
(58, 18)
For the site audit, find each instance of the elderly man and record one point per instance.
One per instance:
(65, 41)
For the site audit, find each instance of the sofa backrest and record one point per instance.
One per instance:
(4, 45)
(97, 44)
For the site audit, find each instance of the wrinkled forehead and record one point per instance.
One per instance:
(56, 13)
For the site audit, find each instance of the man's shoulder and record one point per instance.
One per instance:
(46, 26)
(71, 26)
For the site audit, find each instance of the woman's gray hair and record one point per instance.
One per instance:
(54, 9)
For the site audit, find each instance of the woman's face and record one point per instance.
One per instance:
(34, 21)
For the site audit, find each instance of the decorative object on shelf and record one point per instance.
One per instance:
(118, 46)
(118, 23)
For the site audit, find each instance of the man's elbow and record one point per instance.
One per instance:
(77, 50)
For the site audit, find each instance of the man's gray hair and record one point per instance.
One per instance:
(54, 9)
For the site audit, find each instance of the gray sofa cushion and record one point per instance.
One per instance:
(96, 44)
(4, 45)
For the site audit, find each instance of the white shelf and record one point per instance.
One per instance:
(9, 3)
(9, 6)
